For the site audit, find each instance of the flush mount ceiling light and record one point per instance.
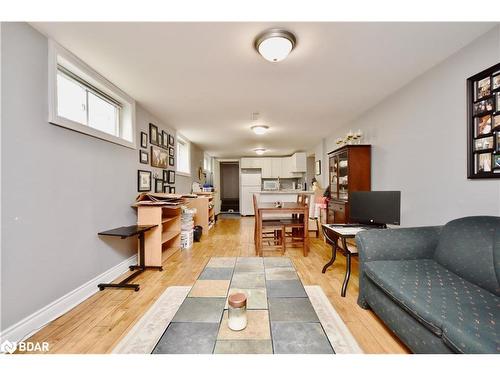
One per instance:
(260, 129)
(260, 151)
(275, 44)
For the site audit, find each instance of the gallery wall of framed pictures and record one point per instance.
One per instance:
(483, 124)
(159, 153)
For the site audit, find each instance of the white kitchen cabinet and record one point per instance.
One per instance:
(298, 162)
(286, 167)
(251, 163)
(246, 163)
(266, 168)
(276, 167)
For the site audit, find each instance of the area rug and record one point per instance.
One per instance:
(284, 317)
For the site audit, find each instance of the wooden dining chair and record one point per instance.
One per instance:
(273, 232)
(295, 224)
(306, 199)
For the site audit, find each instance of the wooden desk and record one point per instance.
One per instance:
(286, 208)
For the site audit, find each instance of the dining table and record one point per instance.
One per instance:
(283, 208)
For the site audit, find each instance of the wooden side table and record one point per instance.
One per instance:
(126, 232)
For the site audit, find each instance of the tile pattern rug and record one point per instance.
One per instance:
(283, 316)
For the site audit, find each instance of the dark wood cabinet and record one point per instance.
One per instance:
(349, 170)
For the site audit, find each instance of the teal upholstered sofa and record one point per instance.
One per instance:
(436, 288)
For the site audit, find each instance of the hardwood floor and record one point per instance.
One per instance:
(99, 323)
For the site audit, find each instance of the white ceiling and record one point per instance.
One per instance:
(205, 79)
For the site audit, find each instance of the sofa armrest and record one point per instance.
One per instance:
(397, 244)
(393, 244)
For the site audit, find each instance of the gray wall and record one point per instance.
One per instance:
(59, 187)
(419, 141)
(143, 119)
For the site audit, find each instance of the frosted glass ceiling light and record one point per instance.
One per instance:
(260, 151)
(260, 129)
(275, 45)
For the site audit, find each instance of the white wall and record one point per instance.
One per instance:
(419, 141)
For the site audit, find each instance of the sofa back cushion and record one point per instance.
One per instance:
(470, 248)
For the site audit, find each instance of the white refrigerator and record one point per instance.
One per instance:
(250, 184)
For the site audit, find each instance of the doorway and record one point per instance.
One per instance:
(230, 187)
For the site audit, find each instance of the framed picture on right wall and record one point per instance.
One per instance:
(483, 124)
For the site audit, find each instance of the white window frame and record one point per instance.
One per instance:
(181, 139)
(60, 56)
(207, 158)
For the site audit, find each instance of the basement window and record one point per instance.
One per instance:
(82, 100)
(207, 163)
(183, 157)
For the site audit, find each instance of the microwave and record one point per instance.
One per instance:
(270, 185)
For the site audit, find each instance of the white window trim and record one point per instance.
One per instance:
(188, 144)
(210, 162)
(128, 103)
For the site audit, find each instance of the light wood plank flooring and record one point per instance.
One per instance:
(99, 323)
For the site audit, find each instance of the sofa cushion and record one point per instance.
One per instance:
(471, 335)
(470, 248)
(438, 298)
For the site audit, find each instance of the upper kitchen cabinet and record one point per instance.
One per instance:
(251, 163)
(298, 162)
(276, 170)
(267, 171)
(274, 167)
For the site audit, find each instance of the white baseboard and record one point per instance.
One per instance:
(33, 323)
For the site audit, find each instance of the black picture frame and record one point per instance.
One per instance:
(171, 161)
(153, 134)
(171, 151)
(171, 140)
(495, 82)
(483, 105)
(142, 173)
(482, 88)
(158, 185)
(496, 161)
(172, 189)
(317, 170)
(144, 140)
(165, 176)
(143, 157)
(171, 177)
(166, 188)
(164, 139)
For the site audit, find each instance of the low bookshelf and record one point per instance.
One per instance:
(164, 240)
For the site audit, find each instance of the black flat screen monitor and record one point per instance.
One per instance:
(375, 207)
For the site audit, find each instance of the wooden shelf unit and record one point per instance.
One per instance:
(349, 170)
(160, 242)
(205, 210)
